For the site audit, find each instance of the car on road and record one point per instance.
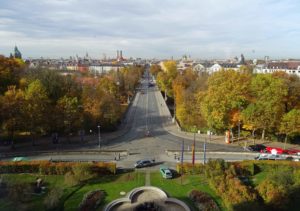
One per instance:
(256, 148)
(276, 150)
(143, 163)
(165, 172)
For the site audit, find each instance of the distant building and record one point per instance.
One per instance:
(242, 60)
(289, 67)
(17, 53)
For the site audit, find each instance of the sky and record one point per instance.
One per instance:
(203, 29)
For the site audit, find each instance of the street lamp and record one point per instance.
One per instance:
(174, 117)
(194, 145)
(99, 137)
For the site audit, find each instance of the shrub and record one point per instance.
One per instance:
(189, 168)
(274, 195)
(203, 201)
(70, 179)
(222, 178)
(91, 200)
(82, 172)
(53, 200)
(63, 168)
(215, 167)
(19, 192)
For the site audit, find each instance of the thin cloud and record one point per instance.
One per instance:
(151, 28)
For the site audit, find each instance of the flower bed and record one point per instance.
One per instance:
(91, 200)
(203, 201)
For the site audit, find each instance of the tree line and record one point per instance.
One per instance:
(40, 101)
(260, 104)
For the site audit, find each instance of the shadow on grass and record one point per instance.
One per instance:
(175, 174)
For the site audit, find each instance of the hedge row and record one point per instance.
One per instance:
(51, 168)
(252, 167)
(189, 168)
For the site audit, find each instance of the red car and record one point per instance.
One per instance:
(276, 149)
(293, 152)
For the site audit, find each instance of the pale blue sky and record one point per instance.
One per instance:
(151, 28)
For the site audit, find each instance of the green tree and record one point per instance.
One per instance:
(251, 117)
(52, 81)
(292, 99)
(165, 78)
(268, 95)
(290, 123)
(36, 107)
(69, 107)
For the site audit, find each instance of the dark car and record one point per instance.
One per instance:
(143, 163)
(256, 148)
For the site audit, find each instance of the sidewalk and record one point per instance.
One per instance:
(174, 129)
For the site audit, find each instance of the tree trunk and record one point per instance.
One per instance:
(253, 136)
(32, 138)
(285, 140)
(12, 144)
(263, 134)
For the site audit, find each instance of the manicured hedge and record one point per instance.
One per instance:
(51, 168)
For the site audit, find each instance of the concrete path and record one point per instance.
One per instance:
(147, 178)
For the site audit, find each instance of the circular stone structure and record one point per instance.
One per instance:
(143, 195)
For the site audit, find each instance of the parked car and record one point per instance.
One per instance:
(292, 158)
(143, 163)
(165, 172)
(17, 159)
(265, 156)
(293, 152)
(256, 148)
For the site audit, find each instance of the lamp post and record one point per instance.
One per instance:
(194, 145)
(99, 137)
(174, 117)
(239, 130)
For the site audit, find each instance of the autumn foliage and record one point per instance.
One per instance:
(264, 104)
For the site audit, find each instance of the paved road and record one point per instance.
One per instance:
(149, 114)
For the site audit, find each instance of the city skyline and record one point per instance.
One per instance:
(151, 28)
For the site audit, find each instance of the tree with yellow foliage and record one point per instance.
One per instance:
(228, 91)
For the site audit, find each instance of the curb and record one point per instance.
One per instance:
(15, 154)
(223, 153)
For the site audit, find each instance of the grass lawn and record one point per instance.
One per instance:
(36, 201)
(175, 189)
(259, 177)
(111, 184)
